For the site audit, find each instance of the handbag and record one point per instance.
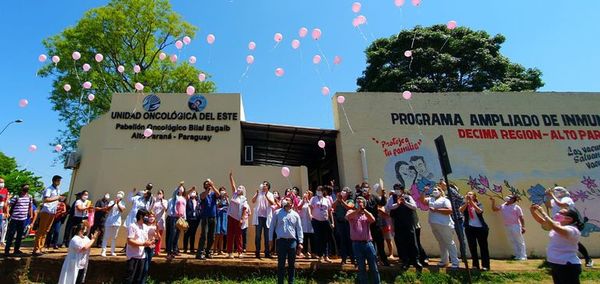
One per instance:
(182, 224)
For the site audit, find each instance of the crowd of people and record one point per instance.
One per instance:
(355, 225)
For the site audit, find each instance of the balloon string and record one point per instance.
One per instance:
(413, 40)
(447, 37)
(418, 126)
(410, 64)
(288, 180)
(275, 46)
(301, 59)
(245, 73)
(319, 76)
(362, 34)
(324, 56)
(347, 120)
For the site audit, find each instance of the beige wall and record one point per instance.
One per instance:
(524, 164)
(111, 160)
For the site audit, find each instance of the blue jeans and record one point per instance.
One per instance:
(147, 261)
(286, 249)
(54, 232)
(14, 227)
(172, 234)
(262, 226)
(366, 251)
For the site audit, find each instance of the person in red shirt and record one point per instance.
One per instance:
(4, 197)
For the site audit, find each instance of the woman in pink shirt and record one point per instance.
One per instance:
(175, 210)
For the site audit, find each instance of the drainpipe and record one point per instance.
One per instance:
(363, 160)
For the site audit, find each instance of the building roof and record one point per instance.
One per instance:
(287, 145)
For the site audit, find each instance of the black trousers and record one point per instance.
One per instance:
(190, 235)
(584, 252)
(135, 271)
(379, 242)
(321, 236)
(207, 228)
(80, 275)
(14, 227)
(565, 273)
(478, 236)
(406, 244)
(308, 244)
(422, 254)
(98, 227)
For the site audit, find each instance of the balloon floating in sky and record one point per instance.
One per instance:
(278, 37)
(325, 91)
(316, 34)
(67, 87)
(179, 44)
(23, 102)
(316, 59)
(279, 72)
(341, 99)
(148, 132)
(91, 97)
(295, 44)
(210, 39)
(302, 32)
(162, 56)
(361, 19)
(87, 85)
(337, 60)
(99, 57)
(42, 57)
(58, 148)
(139, 86)
(190, 90)
(32, 148)
(416, 2)
(399, 3)
(285, 171)
(251, 45)
(451, 25)
(192, 59)
(407, 95)
(187, 40)
(202, 77)
(76, 55)
(408, 53)
(86, 67)
(355, 22)
(356, 7)
(121, 68)
(173, 58)
(137, 69)
(249, 59)
(55, 59)
(321, 144)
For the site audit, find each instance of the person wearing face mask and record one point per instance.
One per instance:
(4, 197)
(59, 219)
(286, 224)
(308, 247)
(154, 238)
(100, 209)
(139, 200)
(442, 225)
(561, 252)
(81, 209)
(261, 218)
(175, 210)
(402, 210)
(76, 262)
(476, 230)
(512, 216)
(137, 241)
(192, 215)
(321, 212)
(21, 209)
(221, 221)
(342, 204)
(362, 242)
(50, 198)
(207, 219)
(114, 211)
(560, 198)
(159, 209)
(238, 206)
(374, 201)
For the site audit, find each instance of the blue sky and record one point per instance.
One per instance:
(559, 37)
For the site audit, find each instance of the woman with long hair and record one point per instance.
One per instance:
(476, 230)
(159, 208)
(176, 210)
(321, 212)
(76, 262)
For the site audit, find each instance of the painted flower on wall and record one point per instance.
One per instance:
(589, 182)
(537, 194)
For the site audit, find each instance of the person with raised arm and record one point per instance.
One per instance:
(113, 222)
(76, 262)
(360, 220)
(512, 217)
(476, 230)
(263, 199)
(235, 217)
(207, 219)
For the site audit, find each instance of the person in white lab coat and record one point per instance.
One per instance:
(75, 265)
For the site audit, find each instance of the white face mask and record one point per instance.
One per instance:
(436, 193)
(193, 194)
(344, 194)
(119, 196)
(319, 193)
(398, 192)
(2, 185)
(222, 193)
(181, 190)
(84, 197)
(106, 196)
(284, 203)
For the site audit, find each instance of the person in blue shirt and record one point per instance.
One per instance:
(208, 201)
(286, 224)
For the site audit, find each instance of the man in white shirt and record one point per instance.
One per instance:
(137, 240)
(263, 200)
(50, 198)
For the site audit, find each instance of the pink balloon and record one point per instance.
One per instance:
(249, 59)
(416, 2)
(162, 56)
(316, 59)
(210, 39)
(277, 37)
(341, 99)
(295, 44)
(87, 85)
(55, 59)
(148, 132)
(139, 86)
(321, 144)
(316, 34)
(285, 171)
(99, 57)
(32, 148)
(407, 95)
(356, 7)
(337, 60)
(408, 53)
(187, 40)
(76, 55)
(86, 67)
(23, 102)
(121, 69)
(192, 59)
(325, 91)
(362, 19)
(302, 32)
(451, 25)
(173, 58)
(137, 69)
(42, 57)
(190, 90)
(58, 148)
(279, 72)
(399, 3)
(251, 45)
(202, 77)
(91, 97)
(179, 44)
(355, 22)
(67, 87)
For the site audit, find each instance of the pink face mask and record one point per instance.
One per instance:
(559, 217)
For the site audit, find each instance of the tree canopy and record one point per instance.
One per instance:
(443, 60)
(126, 33)
(15, 178)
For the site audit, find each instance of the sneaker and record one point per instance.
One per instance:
(103, 253)
(441, 264)
(589, 263)
(522, 259)
(230, 255)
(454, 266)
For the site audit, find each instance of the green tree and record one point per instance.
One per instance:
(127, 33)
(443, 60)
(15, 178)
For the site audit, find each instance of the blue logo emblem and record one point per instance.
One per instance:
(151, 103)
(197, 103)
